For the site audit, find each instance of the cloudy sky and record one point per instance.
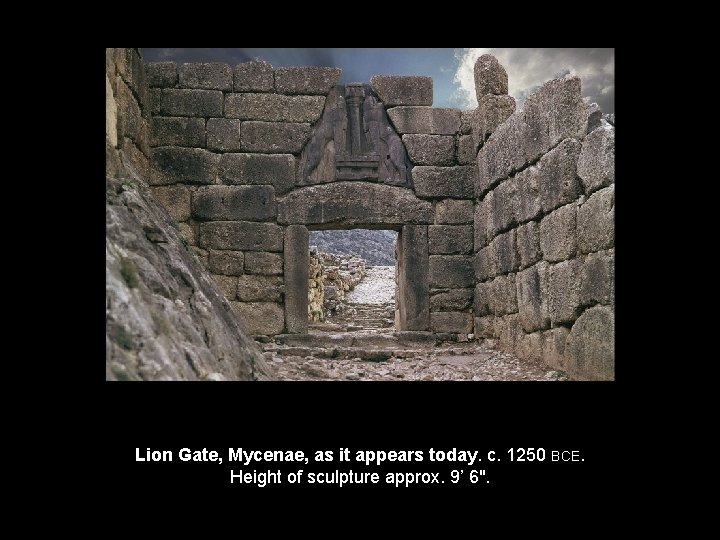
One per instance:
(451, 69)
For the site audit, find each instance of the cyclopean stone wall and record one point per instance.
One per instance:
(505, 217)
(247, 159)
(544, 230)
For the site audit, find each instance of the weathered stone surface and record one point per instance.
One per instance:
(485, 327)
(150, 333)
(502, 295)
(451, 300)
(565, 291)
(297, 263)
(558, 236)
(453, 212)
(273, 137)
(396, 90)
(306, 80)
(492, 111)
(455, 323)
(201, 254)
(466, 118)
(597, 279)
(206, 76)
(200, 103)
(129, 117)
(528, 244)
(430, 149)
(130, 67)
(274, 107)
(557, 175)
(528, 194)
(110, 114)
(161, 74)
(261, 318)
(596, 164)
(444, 182)
(465, 150)
(450, 239)
(509, 332)
(484, 264)
(481, 304)
(503, 250)
(413, 279)
(343, 204)
(529, 347)
(259, 262)
(175, 199)
(256, 288)
(276, 170)
(427, 120)
(484, 220)
(226, 263)
(155, 100)
(223, 134)
(490, 76)
(254, 76)
(596, 221)
(137, 163)
(590, 346)
(227, 284)
(247, 203)
(354, 141)
(178, 131)
(594, 115)
(532, 297)
(553, 113)
(505, 205)
(553, 347)
(241, 236)
(451, 271)
(185, 165)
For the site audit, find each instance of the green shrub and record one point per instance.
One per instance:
(129, 272)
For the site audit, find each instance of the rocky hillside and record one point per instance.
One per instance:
(165, 318)
(375, 247)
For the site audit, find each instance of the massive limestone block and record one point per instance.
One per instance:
(597, 278)
(553, 347)
(206, 76)
(558, 236)
(485, 264)
(453, 212)
(184, 165)
(161, 74)
(596, 221)
(413, 279)
(596, 164)
(451, 299)
(297, 264)
(430, 149)
(565, 302)
(484, 220)
(274, 107)
(502, 296)
(199, 103)
(466, 152)
(492, 111)
(241, 236)
(454, 323)
(504, 253)
(275, 170)
(261, 318)
(528, 244)
(343, 204)
(557, 175)
(273, 137)
(396, 90)
(590, 346)
(241, 203)
(178, 131)
(490, 76)
(226, 263)
(255, 288)
(505, 205)
(450, 239)
(223, 134)
(259, 262)
(532, 296)
(444, 182)
(425, 120)
(254, 76)
(175, 199)
(451, 271)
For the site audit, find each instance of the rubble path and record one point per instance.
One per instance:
(353, 347)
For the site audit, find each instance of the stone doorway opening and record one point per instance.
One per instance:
(352, 281)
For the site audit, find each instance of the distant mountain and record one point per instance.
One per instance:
(376, 247)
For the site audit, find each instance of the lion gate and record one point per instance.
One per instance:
(505, 217)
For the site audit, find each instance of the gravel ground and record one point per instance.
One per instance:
(377, 287)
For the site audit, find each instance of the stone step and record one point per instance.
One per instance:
(395, 340)
(377, 354)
